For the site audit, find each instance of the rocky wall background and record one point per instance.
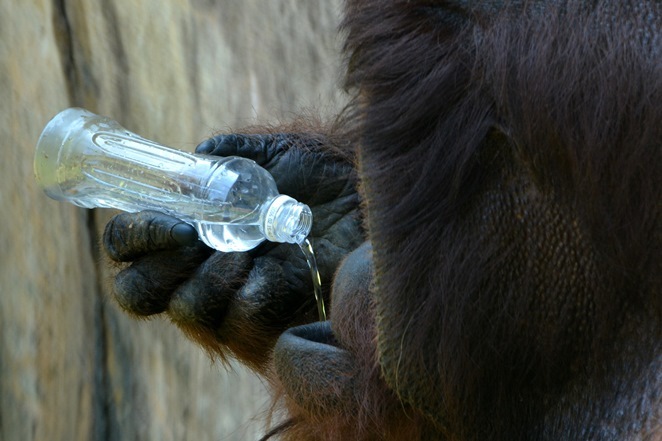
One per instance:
(73, 367)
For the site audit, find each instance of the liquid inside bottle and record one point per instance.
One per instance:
(234, 204)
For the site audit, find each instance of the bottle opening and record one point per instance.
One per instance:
(287, 221)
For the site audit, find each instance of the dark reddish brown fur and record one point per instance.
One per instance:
(563, 110)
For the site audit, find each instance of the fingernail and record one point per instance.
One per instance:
(184, 234)
(206, 147)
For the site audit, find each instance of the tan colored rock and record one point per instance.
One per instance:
(73, 367)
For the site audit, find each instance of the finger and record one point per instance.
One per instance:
(230, 289)
(239, 311)
(270, 299)
(203, 300)
(128, 236)
(259, 148)
(146, 286)
(220, 145)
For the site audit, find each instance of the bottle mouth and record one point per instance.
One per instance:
(287, 221)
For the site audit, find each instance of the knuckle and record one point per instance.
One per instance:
(114, 241)
(220, 145)
(127, 289)
(138, 294)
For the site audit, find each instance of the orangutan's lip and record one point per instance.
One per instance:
(314, 370)
(314, 336)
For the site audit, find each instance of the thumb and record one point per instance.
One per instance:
(128, 236)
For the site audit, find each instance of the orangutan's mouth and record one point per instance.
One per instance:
(313, 367)
(313, 336)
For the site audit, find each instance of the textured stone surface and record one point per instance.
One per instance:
(72, 367)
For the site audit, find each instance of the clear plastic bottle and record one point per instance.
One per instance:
(92, 161)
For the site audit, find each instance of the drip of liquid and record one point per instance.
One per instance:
(307, 249)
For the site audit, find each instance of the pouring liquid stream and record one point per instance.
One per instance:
(307, 249)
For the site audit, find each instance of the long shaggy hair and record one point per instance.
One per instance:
(511, 167)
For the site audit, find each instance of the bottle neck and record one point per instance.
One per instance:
(286, 220)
